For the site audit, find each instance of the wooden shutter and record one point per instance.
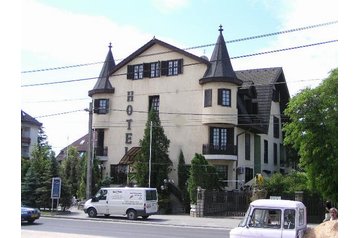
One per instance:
(146, 70)
(220, 96)
(130, 72)
(96, 106)
(208, 98)
(180, 66)
(164, 68)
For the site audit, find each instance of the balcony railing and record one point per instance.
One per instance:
(211, 149)
(25, 140)
(101, 151)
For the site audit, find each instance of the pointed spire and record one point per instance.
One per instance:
(103, 85)
(221, 68)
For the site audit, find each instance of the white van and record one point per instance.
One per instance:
(273, 218)
(132, 202)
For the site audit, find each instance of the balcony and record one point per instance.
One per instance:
(211, 149)
(25, 140)
(101, 153)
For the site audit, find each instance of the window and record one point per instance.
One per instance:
(221, 140)
(276, 127)
(150, 195)
(224, 97)
(275, 153)
(301, 217)
(138, 71)
(266, 218)
(135, 71)
(154, 103)
(247, 146)
(172, 67)
(154, 69)
(101, 106)
(208, 98)
(289, 219)
(265, 151)
(222, 171)
(249, 174)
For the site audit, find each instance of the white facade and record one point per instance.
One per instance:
(190, 123)
(29, 134)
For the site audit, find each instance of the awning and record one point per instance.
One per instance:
(128, 158)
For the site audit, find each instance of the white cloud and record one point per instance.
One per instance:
(302, 66)
(167, 6)
(75, 38)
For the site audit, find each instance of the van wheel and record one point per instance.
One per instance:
(92, 212)
(131, 214)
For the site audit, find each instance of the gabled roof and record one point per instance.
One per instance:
(81, 145)
(220, 69)
(161, 43)
(103, 85)
(265, 80)
(26, 118)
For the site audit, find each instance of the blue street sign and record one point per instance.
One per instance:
(56, 188)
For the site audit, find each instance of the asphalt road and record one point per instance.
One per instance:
(49, 227)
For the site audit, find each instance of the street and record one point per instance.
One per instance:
(100, 228)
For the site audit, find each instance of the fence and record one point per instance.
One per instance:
(235, 203)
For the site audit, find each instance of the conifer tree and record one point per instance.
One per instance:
(160, 161)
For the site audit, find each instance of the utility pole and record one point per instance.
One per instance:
(150, 151)
(89, 153)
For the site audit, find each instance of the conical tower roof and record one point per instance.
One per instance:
(220, 69)
(103, 85)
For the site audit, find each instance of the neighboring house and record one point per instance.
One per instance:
(232, 117)
(30, 128)
(81, 146)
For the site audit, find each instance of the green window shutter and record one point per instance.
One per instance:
(180, 66)
(146, 70)
(130, 72)
(164, 68)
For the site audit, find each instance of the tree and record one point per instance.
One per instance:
(201, 174)
(71, 169)
(183, 176)
(160, 162)
(279, 184)
(313, 132)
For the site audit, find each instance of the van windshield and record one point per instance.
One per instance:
(150, 195)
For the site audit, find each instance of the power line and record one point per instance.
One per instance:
(170, 92)
(59, 113)
(235, 57)
(196, 47)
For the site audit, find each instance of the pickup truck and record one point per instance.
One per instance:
(273, 218)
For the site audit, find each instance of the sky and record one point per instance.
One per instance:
(66, 33)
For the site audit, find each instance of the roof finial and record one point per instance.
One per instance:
(110, 45)
(221, 28)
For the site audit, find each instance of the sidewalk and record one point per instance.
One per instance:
(174, 220)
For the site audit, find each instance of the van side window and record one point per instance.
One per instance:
(301, 219)
(289, 216)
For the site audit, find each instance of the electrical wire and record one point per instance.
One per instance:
(195, 47)
(185, 65)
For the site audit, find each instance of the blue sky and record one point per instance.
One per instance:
(58, 33)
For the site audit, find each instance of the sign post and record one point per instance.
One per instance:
(56, 190)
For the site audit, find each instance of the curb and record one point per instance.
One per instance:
(171, 221)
